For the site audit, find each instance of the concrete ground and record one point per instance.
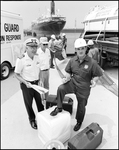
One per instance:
(102, 108)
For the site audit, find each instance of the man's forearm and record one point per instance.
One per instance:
(20, 78)
(95, 79)
(68, 76)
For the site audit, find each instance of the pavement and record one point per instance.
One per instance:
(102, 108)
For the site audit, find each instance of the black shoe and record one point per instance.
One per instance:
(77, 126)
(56, 111)
(33, 124)
(53, 67)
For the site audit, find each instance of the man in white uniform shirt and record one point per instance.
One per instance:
(27, 71)
(45, 61)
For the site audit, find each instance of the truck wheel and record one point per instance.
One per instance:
(5, 71)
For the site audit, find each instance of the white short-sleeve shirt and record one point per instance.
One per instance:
(44, 58)
(29, 69)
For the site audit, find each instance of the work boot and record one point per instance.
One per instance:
(33, 124)
(56, 111)
(77, 126)
(53, 67)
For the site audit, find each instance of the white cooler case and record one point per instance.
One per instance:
(54, 127)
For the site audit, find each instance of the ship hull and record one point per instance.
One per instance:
(48, 28)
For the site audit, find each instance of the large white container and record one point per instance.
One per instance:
(53, 127)
(54, 144)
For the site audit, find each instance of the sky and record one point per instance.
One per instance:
(74, 11)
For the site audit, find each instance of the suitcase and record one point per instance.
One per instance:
(67, 103)
(89, 138)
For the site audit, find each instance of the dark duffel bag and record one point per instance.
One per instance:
(67, 103)
(89, 138)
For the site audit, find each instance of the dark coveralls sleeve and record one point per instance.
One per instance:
(96, 70)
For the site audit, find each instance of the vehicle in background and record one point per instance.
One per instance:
(101, 25)
(11, 39)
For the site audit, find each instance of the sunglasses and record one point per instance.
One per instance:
(45, 44)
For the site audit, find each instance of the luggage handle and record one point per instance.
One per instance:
(90, 133)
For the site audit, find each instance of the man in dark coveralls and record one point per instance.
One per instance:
(82, 73)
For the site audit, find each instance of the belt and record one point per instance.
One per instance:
(33, 82)
(45, 70)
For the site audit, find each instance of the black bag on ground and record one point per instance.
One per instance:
(89, 138)
(67, 103)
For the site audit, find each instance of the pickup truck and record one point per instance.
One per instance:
(101, 25)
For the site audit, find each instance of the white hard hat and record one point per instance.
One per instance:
(53, 36)
(63, 34)
(90, 42)
(80, 42)
(34, 42)
(44, 40)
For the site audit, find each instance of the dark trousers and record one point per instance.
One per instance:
(65, 47)
(28, 95)
(52, 56)
(68, 88)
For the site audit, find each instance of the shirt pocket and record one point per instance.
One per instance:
(84, 73)
(28, 67)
